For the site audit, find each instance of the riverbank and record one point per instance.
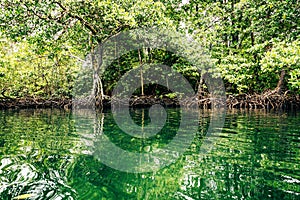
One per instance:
(22, 103)
(243, 101)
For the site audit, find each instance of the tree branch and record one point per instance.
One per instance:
(84, 22)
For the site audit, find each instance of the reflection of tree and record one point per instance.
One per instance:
(92, 177)
(250, 160)
(41, 152)
(35, 157)
(111, 183)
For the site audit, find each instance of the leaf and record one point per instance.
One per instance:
(24, 196)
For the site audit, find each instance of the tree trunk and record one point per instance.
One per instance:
(279, 87)
(200, 92)
(280, 83)
(141, 71)
(97, 91)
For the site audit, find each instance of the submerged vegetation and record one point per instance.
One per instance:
(254, 45)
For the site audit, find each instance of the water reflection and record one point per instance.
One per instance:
(35, 156)
(51, 154)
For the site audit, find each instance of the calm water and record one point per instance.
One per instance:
(51, 154)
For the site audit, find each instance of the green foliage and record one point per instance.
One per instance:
(173, 95)
(25, 73)
(250, 42)
(239, 35)
(283, 56)
(294, 80)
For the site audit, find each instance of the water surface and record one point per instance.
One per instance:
(52, 154)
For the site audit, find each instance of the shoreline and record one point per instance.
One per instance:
(244, 101)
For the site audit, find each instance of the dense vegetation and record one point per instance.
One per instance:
(255, 44)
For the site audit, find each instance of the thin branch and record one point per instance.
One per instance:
(84, 22)
(76, 57)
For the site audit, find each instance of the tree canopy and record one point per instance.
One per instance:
(254, 44)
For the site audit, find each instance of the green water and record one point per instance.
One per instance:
(52, 154)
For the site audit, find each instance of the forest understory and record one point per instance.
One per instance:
(266, 101)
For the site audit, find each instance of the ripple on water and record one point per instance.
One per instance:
(43, 153)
